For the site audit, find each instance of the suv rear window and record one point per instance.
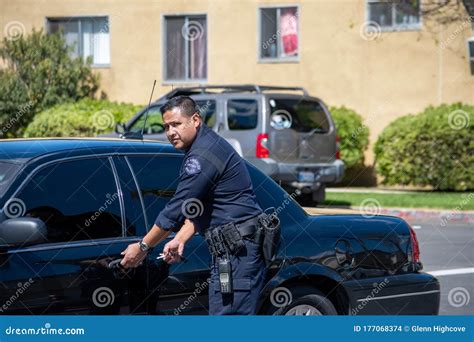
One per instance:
(304, 115)
(242, 114)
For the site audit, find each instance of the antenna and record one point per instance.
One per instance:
(146, 113)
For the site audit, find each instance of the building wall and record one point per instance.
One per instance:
(382, 79)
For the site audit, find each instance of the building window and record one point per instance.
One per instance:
(88, 37)
(395, 15)
(185, 49)
(279, 33)
(470, 51)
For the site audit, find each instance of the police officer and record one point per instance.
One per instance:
(214, 197)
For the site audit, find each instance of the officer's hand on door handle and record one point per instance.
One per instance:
(133, 256)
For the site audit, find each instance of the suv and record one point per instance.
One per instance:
(291, 137)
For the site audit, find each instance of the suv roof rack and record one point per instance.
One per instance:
(203, 89)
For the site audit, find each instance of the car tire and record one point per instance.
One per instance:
(319, 195)
(308, 305)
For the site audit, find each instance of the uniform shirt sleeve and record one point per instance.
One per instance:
(197, 177)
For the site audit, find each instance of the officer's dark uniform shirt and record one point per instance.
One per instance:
(214, 186)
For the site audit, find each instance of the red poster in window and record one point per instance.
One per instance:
(289, 31)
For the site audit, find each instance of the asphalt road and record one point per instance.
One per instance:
(447, 251)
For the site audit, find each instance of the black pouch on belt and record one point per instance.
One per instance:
(272, 234)
(232, 238)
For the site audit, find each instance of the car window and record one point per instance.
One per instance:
(242, 114)
(154, 122)
(270, 195)
(77, 200)
(8, 172)
(299, 115)
(207, 109)
(157, 177)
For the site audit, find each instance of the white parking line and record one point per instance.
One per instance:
(439, 273)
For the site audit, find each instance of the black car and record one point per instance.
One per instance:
(71, 206)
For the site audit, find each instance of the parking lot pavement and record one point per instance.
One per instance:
(447, 251)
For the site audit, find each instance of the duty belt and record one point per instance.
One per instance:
(228, 238)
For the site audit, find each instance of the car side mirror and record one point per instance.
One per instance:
(22, 231)
(120, 128)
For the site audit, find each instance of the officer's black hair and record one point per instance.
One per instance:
(186, 105)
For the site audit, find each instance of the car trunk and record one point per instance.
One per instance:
(300, 131)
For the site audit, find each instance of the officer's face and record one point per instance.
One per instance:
(180, 129)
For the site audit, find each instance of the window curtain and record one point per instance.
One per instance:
(289, 32)
(198, 49)
(175, 49)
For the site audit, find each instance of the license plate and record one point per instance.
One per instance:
(306, 177)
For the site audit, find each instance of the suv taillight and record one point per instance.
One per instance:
(338, 147)
(415, 246)
(261, 149)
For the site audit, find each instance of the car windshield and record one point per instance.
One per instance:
(299, 115)
(8, 171)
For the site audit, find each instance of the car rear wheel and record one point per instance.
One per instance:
(309, 305)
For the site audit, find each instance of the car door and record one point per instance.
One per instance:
(179, 288)
(80, 202)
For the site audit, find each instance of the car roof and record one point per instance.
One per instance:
(26, 149)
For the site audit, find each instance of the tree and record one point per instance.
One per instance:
(39, 73)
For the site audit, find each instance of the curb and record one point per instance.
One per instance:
(443, 215)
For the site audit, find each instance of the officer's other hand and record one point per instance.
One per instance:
(132, 256)
(173, 251)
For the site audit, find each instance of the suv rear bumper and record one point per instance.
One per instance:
(288, 173)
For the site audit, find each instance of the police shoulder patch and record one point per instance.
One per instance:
(192, 166)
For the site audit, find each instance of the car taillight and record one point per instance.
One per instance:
(415, 246)
(261, 149)
(338, 147)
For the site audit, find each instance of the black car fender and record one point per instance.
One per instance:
(297, 278)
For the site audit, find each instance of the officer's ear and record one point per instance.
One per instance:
(196, 119)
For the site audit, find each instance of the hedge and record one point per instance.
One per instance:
(84, 118)
(433, 148)
(354, 136)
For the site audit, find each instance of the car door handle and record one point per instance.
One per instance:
(114, 264)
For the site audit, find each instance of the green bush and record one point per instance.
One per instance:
(84, 118)
(354, 136)
(39, 73)
(433, 148)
